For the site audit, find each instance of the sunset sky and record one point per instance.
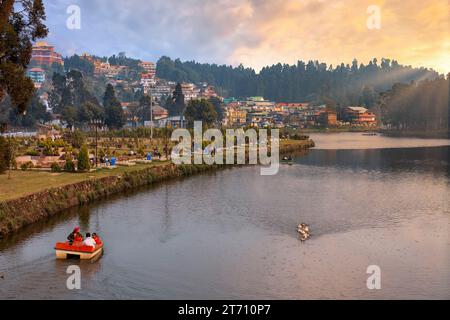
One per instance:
(257, 32)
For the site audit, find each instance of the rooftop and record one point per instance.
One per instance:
(358, 109)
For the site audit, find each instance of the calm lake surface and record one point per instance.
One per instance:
(232, 234)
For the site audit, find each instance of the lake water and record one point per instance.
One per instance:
(232, 234)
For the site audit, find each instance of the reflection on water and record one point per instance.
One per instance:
(434, 159)
(231, 234)
(353, 141)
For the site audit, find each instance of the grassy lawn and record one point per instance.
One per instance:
(23, 183)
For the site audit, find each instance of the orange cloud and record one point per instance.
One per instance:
(412, 32)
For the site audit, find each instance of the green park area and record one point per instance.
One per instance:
(17, 183)
(21, 183)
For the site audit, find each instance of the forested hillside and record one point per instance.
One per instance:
(306, 81)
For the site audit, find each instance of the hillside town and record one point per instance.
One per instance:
(236, 112)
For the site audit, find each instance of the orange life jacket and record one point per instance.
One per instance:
(78, 238)
(97, 240)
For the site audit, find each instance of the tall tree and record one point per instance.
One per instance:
(36, 112)
(70, 115)
(143, 111)
(69, 90)
(21, 23)
(3, 154)
(200, 110)
(417, 106)
(114, 116)
(218, 107)
(83, 159)
(8, 149)
(90, 111)
(175, 104)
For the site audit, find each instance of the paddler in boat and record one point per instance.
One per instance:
(97, 239)
(303, 230)
(75, 236)
(304, 227)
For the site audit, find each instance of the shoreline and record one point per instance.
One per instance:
(19, 212)
(388, 133)
(416, 134)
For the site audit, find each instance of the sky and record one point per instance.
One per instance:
(257, 33)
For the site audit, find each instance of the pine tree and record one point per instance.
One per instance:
(144, 108)
(304, 81)
(114, 116)
(7, 153)
(217, 103)
(175, 104)
(83, 159)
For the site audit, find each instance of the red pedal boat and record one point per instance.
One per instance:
(77, 250)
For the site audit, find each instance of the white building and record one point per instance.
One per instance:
(190, 91)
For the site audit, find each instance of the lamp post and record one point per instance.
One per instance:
(151, 114)
(135, 120)
(96, 123)
(166, 147)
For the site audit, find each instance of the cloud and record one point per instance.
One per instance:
(257, 32)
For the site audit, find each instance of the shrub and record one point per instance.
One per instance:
(69, 166)
(49, 148)
(32, 152)
(26, 166)
(60, 143)
(299, 137)
(83, 159)
(56, 167)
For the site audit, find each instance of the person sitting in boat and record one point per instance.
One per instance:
(97, 239)
(75, 236)
(303, 230)
(89, 241)
(304, 227)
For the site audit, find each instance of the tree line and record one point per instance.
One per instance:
(306, 81)
(422, 106)
(78, 106)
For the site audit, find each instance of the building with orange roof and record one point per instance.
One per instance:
(44, 54)
(360, 116)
